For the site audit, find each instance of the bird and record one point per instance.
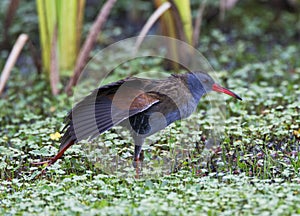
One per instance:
(144, 106)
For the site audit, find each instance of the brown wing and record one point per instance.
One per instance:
(106, 107)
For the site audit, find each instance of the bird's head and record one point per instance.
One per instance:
(208, 84)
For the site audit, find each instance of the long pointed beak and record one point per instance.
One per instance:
(221, 89)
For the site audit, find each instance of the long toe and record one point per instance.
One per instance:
(48, 162)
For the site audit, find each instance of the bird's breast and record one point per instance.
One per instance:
(187, 108)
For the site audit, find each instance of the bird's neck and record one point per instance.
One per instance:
(195, 86)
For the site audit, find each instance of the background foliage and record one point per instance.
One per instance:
(255, 52)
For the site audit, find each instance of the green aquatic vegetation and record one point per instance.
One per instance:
(254, 169)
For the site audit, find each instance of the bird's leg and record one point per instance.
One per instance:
(137, 163)
(137, 152)
(138, 156)
(56, 157)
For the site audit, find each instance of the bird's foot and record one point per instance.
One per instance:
(48, 162)
(56, 157)
(137, 164)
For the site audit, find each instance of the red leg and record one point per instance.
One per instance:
(137, 167)
(138, 159)
(56, 157)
